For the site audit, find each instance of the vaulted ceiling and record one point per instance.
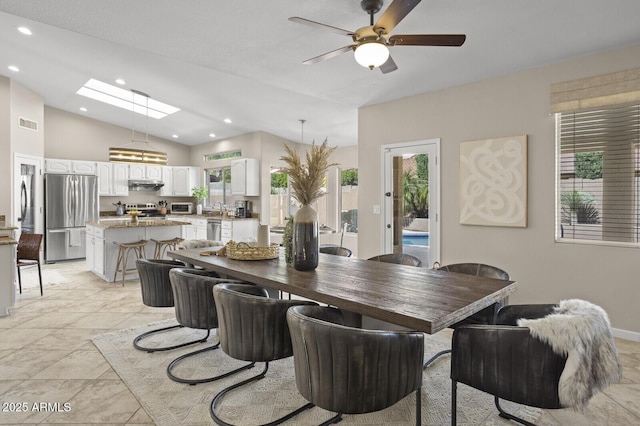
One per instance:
(242, 59)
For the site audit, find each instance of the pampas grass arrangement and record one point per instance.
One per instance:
(306, 179)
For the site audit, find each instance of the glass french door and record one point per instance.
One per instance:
(411, 191)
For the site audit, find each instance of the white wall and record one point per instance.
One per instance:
(515, 104)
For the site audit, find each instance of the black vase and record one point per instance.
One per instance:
(306, 247)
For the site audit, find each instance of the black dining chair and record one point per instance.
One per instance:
(155, 287)
(350, 370)
(486, 315)
(336, 250)
(195, 308)
(399, 258)
(253, 327)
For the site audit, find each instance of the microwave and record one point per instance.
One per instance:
(181, 208)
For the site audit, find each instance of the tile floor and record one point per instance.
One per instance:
(47, 357)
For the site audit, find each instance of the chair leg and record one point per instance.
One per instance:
(164, 348)
(223, 392)
(40, 278)
(194, 382)
(454, 403)
(19, 279)
(333, 420)
(436, 356)
(419, 406)
(118, 261)
(508, 416)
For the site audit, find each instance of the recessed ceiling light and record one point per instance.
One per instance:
(25, 30)
(120, 81)
(212, 135)
(174, 136)
(125, 99)
(14, 68)
(227, 120)
(83, 109)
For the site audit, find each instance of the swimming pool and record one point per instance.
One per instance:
(417, 239)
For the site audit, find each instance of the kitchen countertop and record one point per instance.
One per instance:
(7, 241)
(141, 223)
(211, 216)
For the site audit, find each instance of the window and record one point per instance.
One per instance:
(599, 169)
(223, 155)
(280, 198)
(349, 200)
(219, 185)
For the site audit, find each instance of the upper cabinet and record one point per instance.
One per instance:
(178, 181)
(54, 165)
(113, 178)
(245, 177)
(140, 171)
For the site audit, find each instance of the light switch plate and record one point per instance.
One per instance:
(376, 209)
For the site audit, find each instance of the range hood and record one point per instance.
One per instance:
(145, 185)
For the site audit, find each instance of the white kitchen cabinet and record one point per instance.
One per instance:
(83, 167)
(7, 277)
(178, 181)
(113, 178)
(245, 177)
(184, 178)
(167, 178)
(55, 165)
(95, 250)
(140, 171)
(239, 230)
(197, 228)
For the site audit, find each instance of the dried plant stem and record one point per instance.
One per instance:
(307, 179)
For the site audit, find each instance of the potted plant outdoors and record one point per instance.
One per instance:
(306, 183)
(201, 193)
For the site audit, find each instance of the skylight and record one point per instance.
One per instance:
(125, 99)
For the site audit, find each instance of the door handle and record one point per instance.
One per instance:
(387, 194)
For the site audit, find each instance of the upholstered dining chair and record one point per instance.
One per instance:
(546, 356)
(253, 327)
(352, 370)
(155, 286)
(399, 258)
(485, 316)
(195, 308)
(336, 250)
(28, 254)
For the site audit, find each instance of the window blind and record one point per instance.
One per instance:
(599, 167)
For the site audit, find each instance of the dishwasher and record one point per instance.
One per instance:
(214, 230)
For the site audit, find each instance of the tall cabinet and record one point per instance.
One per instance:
(245, 177)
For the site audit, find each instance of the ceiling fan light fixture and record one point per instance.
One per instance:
(371, 54)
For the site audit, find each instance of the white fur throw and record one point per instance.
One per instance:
(581, 331)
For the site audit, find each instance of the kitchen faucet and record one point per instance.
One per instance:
(214, 207)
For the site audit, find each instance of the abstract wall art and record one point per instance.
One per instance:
(493, 182)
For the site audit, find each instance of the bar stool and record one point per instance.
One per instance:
(163, 245)
(123, 253)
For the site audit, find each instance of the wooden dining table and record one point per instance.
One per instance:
(416, 298)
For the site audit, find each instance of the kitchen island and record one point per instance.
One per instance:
(7, 275)
(102, 253)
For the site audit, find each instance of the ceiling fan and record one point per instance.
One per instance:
(371, 43)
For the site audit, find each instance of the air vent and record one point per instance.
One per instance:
(28, 124)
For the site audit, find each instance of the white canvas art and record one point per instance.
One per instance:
(493, 182)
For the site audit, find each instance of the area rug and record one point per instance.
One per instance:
(170, 403)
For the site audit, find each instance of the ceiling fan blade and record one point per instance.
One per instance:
(320, 26)
(395, 13)
(328, 55)
(388, 66)
(427, 40)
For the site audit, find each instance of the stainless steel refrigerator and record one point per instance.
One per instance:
(69, 201)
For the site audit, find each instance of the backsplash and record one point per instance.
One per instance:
(135, 197)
